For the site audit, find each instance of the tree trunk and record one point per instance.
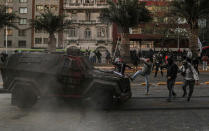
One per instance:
(52, 43)
(193, 41)
(125, 47)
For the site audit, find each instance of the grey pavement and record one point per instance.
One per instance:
(141, 113)
(161, 90)
(58, 116)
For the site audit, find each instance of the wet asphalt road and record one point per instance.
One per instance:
(142, 113)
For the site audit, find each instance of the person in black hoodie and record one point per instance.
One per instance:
(172, 70)
(120, 67)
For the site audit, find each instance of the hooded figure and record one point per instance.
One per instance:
(172, 70)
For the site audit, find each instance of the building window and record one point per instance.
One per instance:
(73, 16)
(38, 40)
(72, 32)
(75, 1)
(22, 32)
(9, 43)
(101, 1)
(46, 7)
(22, 44)
(9, 1)
(38, 31)
(9, 32)
(23, 1)
(54, 7)
(88, 16)
(101, 32)
(23, 10)
(89, 1)
(87, 33)
(46, 40)
(39, 7)
(23, 21)
(9, 9)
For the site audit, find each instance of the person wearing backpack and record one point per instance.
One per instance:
(190, 77)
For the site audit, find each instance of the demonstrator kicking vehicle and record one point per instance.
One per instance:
(31, 76)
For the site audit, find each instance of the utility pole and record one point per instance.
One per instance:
(6, 32)
(178, 38)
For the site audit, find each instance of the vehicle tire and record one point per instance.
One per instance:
(24, 97)
(102, 99)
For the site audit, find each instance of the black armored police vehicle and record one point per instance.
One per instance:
(31, 76)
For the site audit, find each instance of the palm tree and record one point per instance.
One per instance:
(192, 11)
(52, 24)
(126, 14)
(7, 18)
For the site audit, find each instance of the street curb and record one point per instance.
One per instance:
(144, 84)
(179, 83)
(207, 83)
(161, 83)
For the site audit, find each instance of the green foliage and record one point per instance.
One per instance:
(7, 19)
(50, 22)
(191, 10)
(126, 13)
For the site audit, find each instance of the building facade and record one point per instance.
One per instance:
(161, 32)
(20, 38)
(40, 38)
(87, 31)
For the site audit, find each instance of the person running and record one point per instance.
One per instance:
(145, 72)
(172, 70)
(190, 76)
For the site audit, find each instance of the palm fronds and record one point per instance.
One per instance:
(126, 13)
(7, 19)
(50, 22)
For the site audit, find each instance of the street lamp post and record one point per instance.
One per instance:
(178, 38)
(6, 32)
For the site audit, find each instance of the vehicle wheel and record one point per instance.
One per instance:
(102, 99)
(24, 97)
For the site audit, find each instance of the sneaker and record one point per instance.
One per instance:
(174, 94)
(188, 99)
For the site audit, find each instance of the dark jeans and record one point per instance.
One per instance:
(191, 84)
(196, 68)
(170, 85)
(157, 69)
